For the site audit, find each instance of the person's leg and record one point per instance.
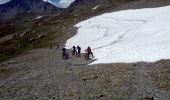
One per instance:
(92, 54)
(72, 53)
(76, 53)
(63, 56)
(67, 56)
(85, 56)
(79, 53)
(88, 55)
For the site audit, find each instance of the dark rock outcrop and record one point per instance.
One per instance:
(14, 7)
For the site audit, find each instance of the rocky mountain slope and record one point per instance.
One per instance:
(14, 7)
(41, 74)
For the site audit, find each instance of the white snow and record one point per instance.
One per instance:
(61, 3)
(95, 7)
(38, 17)
(126, 36)
(64, 3)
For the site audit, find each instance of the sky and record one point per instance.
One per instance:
(58, 3)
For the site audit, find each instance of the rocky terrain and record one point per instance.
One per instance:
(42, 74)
(15, 7)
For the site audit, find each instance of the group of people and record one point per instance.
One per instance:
(76, 51)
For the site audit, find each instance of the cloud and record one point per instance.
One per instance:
(61, 3)
(4, 1)
(65, 3)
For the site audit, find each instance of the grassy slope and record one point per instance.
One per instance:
(161, 74)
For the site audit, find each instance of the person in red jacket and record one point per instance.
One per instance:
(89, 52)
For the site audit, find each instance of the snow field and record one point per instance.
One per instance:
(126, 36)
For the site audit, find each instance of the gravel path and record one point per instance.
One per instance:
(144, 84)
(44, 75)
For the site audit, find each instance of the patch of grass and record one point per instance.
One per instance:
(4, 56)
(20, 45)
(6, 72)
(161, 75)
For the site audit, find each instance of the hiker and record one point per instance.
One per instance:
(88, 53)
(79, 50)
(74, 52)
(64, 53)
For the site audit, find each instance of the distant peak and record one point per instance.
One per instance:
(4, 1)
(60, 3)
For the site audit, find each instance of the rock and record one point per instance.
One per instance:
(22, 34)
(31, 39)
(90, 78)
(40, 36)
(149, 98)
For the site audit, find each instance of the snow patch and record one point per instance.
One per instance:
(39, 17)
(126, 36)
(96, 7)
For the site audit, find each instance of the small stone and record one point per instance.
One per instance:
(101, 95)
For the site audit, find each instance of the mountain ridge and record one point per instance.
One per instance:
(14, 7)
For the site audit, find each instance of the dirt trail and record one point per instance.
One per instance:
(39, 68)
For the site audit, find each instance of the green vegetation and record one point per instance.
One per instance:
(5, 72)
(161, 75)
(35, 34)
